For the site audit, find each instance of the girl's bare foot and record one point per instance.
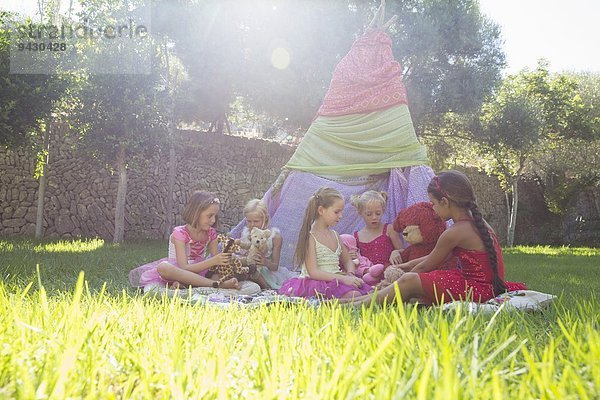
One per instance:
(173, 285)
(231, 284)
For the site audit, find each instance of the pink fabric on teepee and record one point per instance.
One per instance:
(366, 79)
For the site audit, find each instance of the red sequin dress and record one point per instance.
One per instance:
(473, 281)
(378, 250)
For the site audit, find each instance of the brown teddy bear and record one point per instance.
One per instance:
(420, 227)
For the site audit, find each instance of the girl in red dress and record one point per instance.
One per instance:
(470, 239)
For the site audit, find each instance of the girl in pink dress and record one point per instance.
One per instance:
(188, 247)
(470, 239)
(319, 252)
(377, 241)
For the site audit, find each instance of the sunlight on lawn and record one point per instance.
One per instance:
(71, 246)
(554, 251)
(6, 246)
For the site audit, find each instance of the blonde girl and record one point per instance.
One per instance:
(378, 241)
(269, 276)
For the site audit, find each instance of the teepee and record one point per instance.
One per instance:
(361, 139)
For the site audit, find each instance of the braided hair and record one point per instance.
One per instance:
(455, 186)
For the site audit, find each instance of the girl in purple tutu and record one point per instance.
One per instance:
(188, 247)
(319, 253)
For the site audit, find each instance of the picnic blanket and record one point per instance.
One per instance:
(251, 296)
(248, 296)
(246, 288)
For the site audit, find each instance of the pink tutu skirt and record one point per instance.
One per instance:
(147, 274)
(307, 287)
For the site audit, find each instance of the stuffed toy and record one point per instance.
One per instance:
(420, 227)
(234, 268)
(371, 273)
(257, 244)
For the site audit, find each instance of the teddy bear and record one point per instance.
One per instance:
(371, 273)
(257, 243)
(234, 268)
(420, 227)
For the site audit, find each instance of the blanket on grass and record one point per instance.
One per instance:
(250, 296)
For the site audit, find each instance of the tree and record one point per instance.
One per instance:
(29, 100)
(530, 111)
(569, 166)
(120, 115)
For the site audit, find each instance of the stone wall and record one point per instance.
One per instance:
(81, 193)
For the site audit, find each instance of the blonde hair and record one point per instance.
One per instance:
(324, 197)
(361, 201)
(196, 205)
(258, 206)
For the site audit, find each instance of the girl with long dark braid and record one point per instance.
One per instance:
(470, 239)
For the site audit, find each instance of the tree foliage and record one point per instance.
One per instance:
(450, 52)
(568, 166)
(27, 99)
(531, 112)
(118, 110)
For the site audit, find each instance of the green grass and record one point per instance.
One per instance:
(75, 338)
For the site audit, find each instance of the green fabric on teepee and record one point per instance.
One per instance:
(360, 144)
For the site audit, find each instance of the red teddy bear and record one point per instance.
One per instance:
(420, 227)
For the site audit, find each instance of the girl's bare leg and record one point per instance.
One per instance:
(409, 286)
(188, 278)
(258, 278)
(353, 294)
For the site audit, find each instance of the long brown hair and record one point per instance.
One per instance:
(455, 186)
(324, 197)
(198, 202)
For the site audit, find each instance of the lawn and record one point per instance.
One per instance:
(92, 336)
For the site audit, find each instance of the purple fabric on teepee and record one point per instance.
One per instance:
(286, 206)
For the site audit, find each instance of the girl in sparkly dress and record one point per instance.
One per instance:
(377, 241)
(470, 239)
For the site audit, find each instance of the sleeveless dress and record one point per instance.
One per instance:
(378, 250)
(473, 281)
(274, 278)
(328, 261)
(196, 250)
